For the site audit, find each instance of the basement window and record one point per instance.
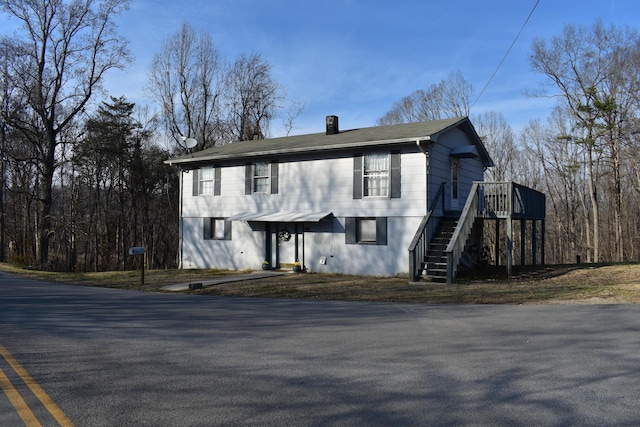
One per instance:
(366, 231)
(216, 229)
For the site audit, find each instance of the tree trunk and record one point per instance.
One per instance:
(45, 201)
(617, 212)
(595, 210)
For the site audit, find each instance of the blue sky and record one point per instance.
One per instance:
(356, 58)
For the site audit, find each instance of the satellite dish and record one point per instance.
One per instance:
(190, 142)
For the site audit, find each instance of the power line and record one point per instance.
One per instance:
(506, 54)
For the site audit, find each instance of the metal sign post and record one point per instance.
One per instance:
(139, 252)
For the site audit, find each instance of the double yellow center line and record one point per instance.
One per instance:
(18, 402)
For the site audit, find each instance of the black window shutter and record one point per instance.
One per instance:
(206, 228)
(274, 178)
(350, 230)
(227, 229)
(196, 182)
(357, 176)
(248, 177)
(216, 181)
(381, 230)
(395, 175)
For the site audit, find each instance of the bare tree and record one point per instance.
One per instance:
(563, 182)
(291, 113)
(587, 65)
(185, 79)
(500, 141)
(62, 52)
(252, 98)
(447, 99)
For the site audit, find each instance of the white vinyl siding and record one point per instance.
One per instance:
(313, 183)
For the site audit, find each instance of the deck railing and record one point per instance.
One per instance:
(420, 242)
(486, 200)
(508, 199)
(492, 200)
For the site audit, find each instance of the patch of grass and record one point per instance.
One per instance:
(581, 284)
(560, 284)
(153, 279)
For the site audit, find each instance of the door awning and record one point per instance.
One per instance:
(282, 216)
(464, 152)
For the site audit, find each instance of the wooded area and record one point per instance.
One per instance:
(83, 179)
(585, 157)
(82, 172)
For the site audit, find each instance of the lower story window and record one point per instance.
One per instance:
(366, 230)
(216, 229)
(372, 231)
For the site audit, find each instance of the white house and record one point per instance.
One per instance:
(344, 201)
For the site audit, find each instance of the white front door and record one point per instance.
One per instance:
(286, 244)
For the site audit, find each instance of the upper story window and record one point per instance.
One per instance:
(375, 175)
(206, 181)
(261, 177)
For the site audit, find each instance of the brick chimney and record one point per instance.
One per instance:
(332, 125)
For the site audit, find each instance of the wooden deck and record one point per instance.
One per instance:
(509, 200)
(487, 200)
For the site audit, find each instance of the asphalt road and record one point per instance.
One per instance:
(120, 358)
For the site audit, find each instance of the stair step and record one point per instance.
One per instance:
(436, 276)
(434, 266)
(438, 246)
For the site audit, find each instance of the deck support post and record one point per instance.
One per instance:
(509, 237)
(523, 242)
(497, 245)
(542, 243)
(534, 242)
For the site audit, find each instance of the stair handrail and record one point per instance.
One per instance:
(418, 246)
(455, 248)
(439, 196)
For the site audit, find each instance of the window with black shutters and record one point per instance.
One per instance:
(366, 230)
(216, 229)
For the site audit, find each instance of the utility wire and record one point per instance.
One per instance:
(506, 54)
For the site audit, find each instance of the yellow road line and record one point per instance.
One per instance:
(17, 401)
(53, 409)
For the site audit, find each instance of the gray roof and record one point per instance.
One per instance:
(345, 139)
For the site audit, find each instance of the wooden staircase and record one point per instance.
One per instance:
(439, 249)
(435, 262)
